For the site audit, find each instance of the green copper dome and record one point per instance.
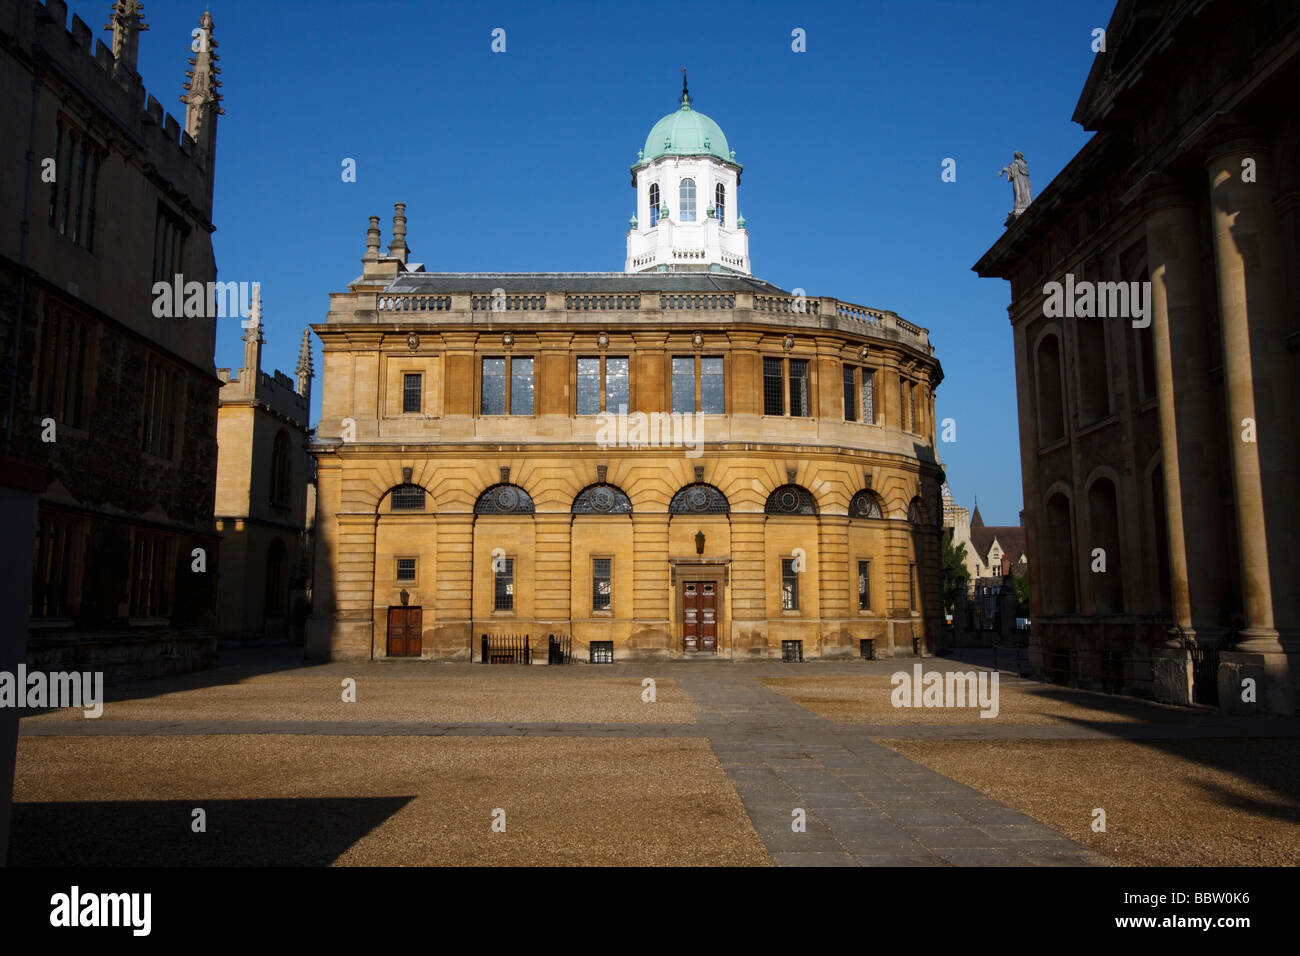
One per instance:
(685, 132)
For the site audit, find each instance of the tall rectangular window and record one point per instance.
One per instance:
(72, 194)
(773, 403)
(521, 386)
(411, 389)
(864, 585)
(684, 385)
(63, 352)
(911, 585)
(616, 383)
(503, 595)
(170, 233)
(911, 407)
(789, 585)
(588, 397)
(602, 384)
(601, 590)
(713, 392)
(799, 388)
(493, 398)
(161, 396)
(850, 395)
(868, 396)
(58, 551)
(152, 574)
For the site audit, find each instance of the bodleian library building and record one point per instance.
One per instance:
(677, 460)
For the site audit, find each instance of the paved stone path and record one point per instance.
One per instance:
(866, 805)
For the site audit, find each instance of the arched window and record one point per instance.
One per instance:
(407, 497)
(791, 500)
(720, 201)
(699, 499)
(1103, 513)
(654, 204)
(276, 567)
(280, 469)
(602, 500)
(504, 500)
(687, 201)
(865, 504)
(1051, 410)
(1059, 576)
(1094, 378)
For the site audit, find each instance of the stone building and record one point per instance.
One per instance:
(114, 406)
(1157, 396)
(992, 551)
(263, 474)
(679, 459)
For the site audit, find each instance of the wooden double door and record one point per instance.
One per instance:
(404, 629)
(700, 615)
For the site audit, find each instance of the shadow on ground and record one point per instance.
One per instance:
(307, 832)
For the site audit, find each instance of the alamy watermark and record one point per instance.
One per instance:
(1101, 300)
(951, 689)
(652, 430)
(36, 689)
(203, 300)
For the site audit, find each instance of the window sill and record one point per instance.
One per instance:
(1097, 425)
(49, 623)
(1056, 445)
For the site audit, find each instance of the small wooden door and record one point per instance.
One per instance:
(708, 616)
(700, 615)
(404, 631)
(691, 614)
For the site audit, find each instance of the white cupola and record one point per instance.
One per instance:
(687, 189)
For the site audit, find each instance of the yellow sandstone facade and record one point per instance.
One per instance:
(676, 460)
(672, 469)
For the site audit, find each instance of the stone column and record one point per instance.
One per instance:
(1256, 378)
(1187, 425)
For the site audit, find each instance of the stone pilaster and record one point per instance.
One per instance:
(454, 588)
(652, 592)
(834, 572)
(748, 587)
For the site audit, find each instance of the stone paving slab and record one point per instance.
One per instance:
(865, 805)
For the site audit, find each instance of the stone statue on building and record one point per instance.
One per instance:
(1017, 173)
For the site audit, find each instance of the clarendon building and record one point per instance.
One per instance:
(676, 460)
(1158, 440)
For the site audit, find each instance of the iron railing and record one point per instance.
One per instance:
(506, 649)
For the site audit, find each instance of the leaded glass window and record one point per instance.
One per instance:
(791, 500)
(699, 499)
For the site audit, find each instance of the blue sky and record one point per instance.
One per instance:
(518, 161)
